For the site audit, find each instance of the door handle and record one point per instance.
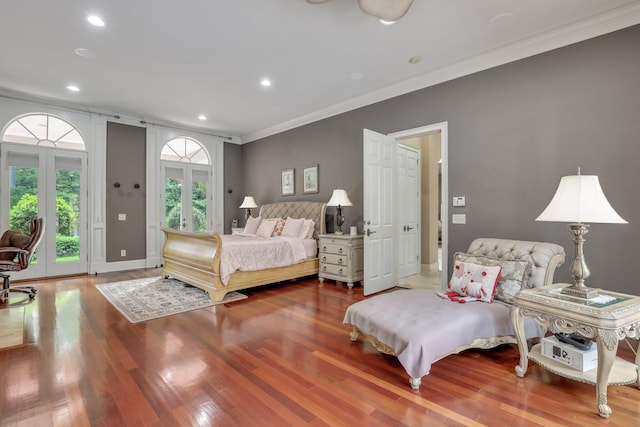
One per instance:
(369, 232)
(407, 228)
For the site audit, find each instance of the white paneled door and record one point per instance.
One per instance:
(408, 212)
(378, 184)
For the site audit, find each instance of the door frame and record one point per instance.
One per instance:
(443, 128)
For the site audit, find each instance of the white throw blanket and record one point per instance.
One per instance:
(423, 328)
(250, 253)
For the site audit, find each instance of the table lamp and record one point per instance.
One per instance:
(248, 203)
(580, 199)
(339, 198)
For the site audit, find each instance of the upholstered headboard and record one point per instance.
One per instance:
(309, 210)
(543, 257)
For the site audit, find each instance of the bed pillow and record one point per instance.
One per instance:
(292, 227)
(307, 229)
(277, 230)
(513, 276)
(475, 280)
(266, 227)
(251, 227)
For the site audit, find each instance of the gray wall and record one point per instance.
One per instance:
(126, 154)
(514, 131)
(233, 186)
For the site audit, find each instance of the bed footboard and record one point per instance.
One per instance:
(194, 258)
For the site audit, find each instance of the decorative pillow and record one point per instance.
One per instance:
(292, 227)
(513, 276)
(277, 231)
(251, 227)
(266, 227)
(312, 228)
(475, 280)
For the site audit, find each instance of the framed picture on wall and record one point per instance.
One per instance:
(288, 182)
(310, 179)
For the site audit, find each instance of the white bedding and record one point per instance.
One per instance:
(241, 252)
(423, 328)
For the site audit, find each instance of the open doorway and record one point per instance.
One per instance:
(431, 141)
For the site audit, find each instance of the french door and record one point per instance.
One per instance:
(46, 182)
(187, 196)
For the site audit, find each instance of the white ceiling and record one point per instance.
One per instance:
(169, 61)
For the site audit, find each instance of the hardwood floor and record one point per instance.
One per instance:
(281, 357)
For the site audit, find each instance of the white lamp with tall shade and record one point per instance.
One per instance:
(339, 198)
(248, 203)
(580, 199)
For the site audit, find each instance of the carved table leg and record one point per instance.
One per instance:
(518, 326)
(607, 342)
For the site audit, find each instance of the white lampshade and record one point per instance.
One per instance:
(248, 203)
(580, 199)
(339, 198)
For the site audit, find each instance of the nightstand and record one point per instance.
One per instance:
(236, 230)
(341, 258)
(607, 320)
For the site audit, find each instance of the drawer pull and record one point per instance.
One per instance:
(340, 271)
(339, 250)
(339, 260)
(324, 249)
(324, 268)
(324, 259)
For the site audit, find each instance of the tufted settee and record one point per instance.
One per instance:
(420, 328)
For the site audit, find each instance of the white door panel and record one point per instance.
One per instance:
(378, 171)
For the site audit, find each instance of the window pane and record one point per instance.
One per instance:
(23, 194)
(199, 201)
(173, 205)
(67, 214)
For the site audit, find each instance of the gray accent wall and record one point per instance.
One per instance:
(233, 186)
(514, 131)
(126, 160)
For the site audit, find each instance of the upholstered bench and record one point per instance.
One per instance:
(419, 327)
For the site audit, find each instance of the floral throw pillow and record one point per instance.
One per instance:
(513, 277)
(475, 280)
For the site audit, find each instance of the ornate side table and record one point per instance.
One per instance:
(608, 319)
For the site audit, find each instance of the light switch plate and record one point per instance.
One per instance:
(459, 201)
(122, 217)
(459, 219)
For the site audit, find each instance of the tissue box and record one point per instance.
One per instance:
(582, 360)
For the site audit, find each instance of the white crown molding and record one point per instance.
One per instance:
(614, 20)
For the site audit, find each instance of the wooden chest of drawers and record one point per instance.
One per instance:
(341, 258)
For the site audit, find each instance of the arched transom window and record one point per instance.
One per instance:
(185, 150)
(44, 130)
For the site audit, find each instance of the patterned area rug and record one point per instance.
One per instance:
(12, 321)
(153, 297)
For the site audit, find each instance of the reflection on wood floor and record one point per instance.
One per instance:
(280, 357)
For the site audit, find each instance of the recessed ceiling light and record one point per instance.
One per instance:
(265, 82)
(73, 88)
(95, 20)
(202, 117)
(85, 53)
(415, 59)
(383, 22)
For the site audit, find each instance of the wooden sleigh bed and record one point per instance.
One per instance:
(194, 258)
